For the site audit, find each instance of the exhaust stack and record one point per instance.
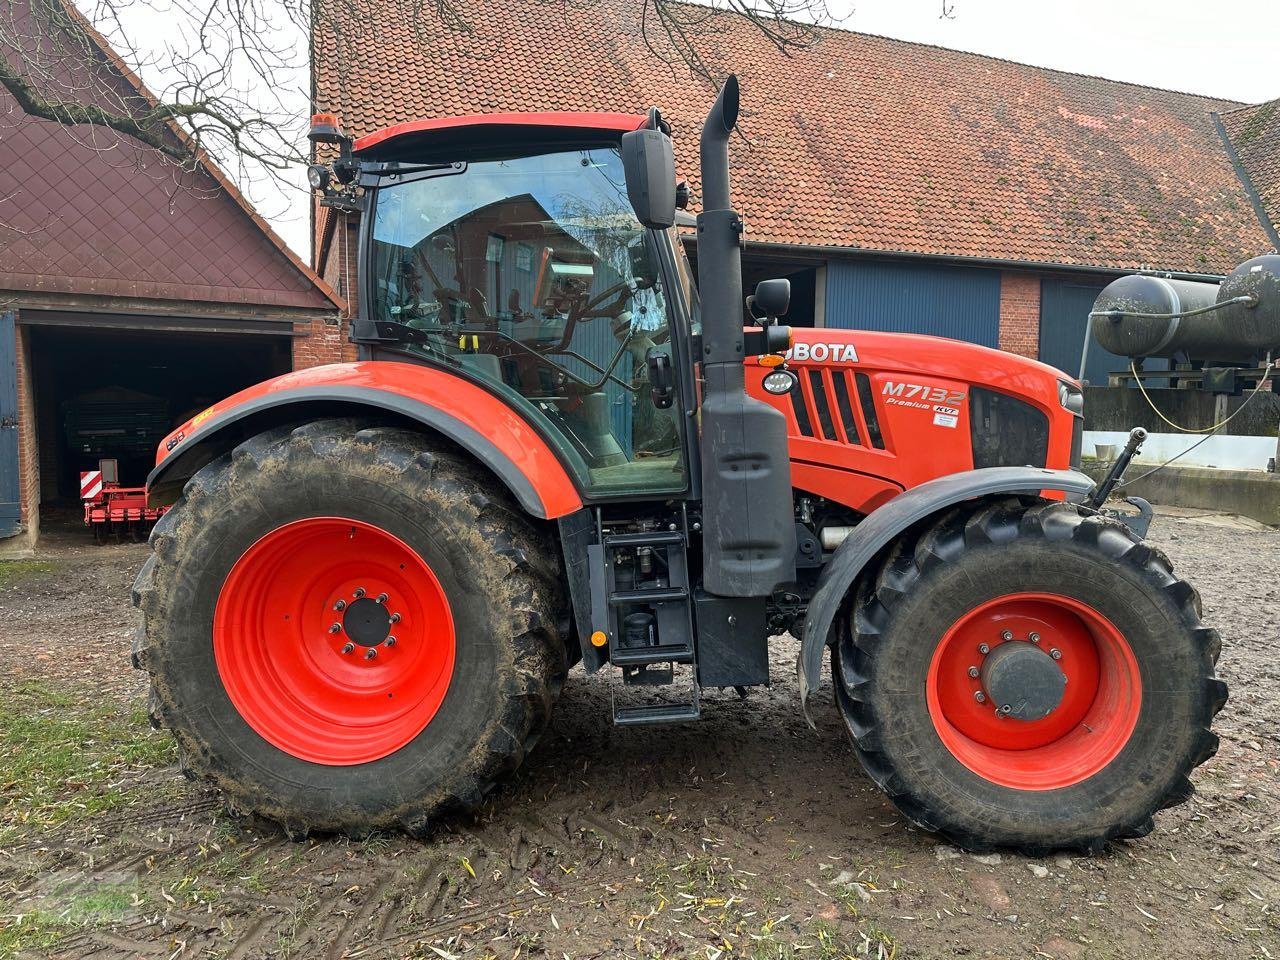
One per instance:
(749, 538)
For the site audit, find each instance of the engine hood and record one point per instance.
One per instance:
(916, 353)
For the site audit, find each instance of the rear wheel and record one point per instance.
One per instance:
(1031, 676)
(348, 629)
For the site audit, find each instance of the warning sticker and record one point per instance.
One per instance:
(944, 420)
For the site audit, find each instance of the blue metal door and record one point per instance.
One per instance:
(1064, 321)
(958, 302)
(9, 524)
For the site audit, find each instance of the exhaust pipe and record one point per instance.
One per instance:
(713, 148)
(749, 537)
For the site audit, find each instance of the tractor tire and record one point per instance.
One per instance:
(1084, 596)
(350, 628)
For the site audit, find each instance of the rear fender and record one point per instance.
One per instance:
(479, 422)
(886, 523)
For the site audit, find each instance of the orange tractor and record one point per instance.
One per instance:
(557, 448)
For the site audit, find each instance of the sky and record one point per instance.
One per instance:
(1224, 48)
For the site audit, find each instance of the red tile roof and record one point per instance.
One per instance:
(1254, 133)
(85, 210)
(858, 142)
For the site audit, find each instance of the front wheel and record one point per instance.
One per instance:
(1029, 675)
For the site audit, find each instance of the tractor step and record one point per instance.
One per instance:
(649, 675)
(647, 539)
(648, 595)
(644, 575)
(655, 713)
(662, 653)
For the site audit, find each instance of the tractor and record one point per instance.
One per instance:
(555, 447)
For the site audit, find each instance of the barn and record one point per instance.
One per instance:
(135, 288)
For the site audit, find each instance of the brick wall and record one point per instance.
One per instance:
(1020, 313)
(28, 457)
(322, 343)
(327, 342)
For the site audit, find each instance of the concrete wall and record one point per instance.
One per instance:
(1122, 408)
(1245, 493)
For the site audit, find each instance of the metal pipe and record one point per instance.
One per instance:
(720, 238)
(1103, 490)
(713, 148)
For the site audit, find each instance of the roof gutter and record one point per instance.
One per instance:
(826, 250)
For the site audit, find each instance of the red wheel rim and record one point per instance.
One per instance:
(334, 640)
(1091, 725)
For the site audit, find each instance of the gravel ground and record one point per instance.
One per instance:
(743, 835)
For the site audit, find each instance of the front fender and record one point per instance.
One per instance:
(888, 522)
(481, 423)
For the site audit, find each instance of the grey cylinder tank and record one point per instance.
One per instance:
(1257, 324)
(1237, 333)
(1130, 336)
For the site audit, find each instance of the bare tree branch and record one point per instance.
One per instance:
(149, 128)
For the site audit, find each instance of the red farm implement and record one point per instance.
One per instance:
(110, 509)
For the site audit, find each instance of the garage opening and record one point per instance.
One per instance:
(115, 394)
(806, 296)
(804, 311)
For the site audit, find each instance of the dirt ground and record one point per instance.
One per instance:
(744, 835)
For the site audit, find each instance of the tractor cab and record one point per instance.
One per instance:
(508, 249)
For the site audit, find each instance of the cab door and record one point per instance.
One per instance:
(532, 275)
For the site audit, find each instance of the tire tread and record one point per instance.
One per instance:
(529, 572)
(854, 660)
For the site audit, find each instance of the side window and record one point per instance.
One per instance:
(533, 273)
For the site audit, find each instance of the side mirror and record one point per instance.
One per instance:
(649, 163)
(772, 297)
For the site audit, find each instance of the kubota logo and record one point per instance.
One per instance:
(823, 353)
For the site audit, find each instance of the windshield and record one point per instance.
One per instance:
(534, 274)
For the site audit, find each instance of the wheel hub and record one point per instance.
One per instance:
(1022, 681)
(367, 622)
(334, 640)
(1051, 662)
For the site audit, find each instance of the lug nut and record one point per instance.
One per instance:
(370, 653)
(980, 696)
(1007, 635)
(1055, 653)
(983, 649)
(395, 618)
(340, 605)
(382, 598)
(1034, 637)
(1005, 708)
(335, 628)
(359, 592)
(390, 641)
(973, 672)
(348, 647)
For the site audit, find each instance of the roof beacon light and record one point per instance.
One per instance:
(325, 128)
